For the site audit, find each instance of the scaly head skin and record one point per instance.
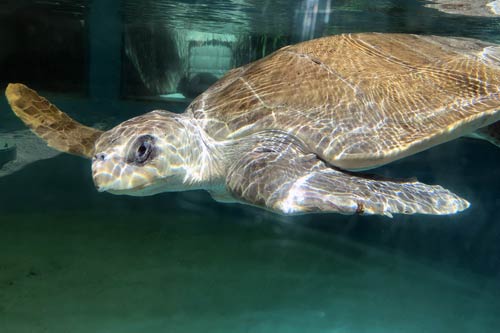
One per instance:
(156, 152)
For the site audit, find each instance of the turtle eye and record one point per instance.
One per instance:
(141, 149)
(143, 152)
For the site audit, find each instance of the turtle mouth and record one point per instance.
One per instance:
(120, 186)
(133, 183)
(113, 173)
(138, 191)
(133, 191)
(119, 178)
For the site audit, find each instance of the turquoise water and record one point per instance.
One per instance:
(75, 260)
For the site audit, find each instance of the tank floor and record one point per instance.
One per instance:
(92, 272)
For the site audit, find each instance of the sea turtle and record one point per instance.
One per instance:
(289, 132)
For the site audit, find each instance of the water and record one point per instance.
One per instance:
(74, 260)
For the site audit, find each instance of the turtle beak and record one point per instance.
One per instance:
(111, 174)
(106, 172)
(99, 182)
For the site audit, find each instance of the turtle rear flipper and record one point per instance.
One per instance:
(281, 177)
(51, 124)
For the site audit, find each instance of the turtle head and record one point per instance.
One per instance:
(142, 156)
(157, 152)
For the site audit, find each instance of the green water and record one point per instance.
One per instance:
(75, 260)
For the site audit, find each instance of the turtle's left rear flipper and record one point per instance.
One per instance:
(51, 124)
(281, 177)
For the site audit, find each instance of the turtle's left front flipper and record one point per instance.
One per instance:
(281, 177)
(51, 124)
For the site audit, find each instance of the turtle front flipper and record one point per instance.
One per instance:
(51, 124)
(282, 177)
(489, 133)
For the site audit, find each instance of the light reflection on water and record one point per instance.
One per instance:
(306, 19)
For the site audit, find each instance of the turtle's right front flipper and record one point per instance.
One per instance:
(280, 177)
(49, 123)
(489, 133)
